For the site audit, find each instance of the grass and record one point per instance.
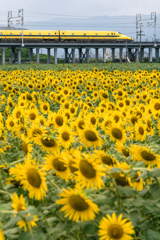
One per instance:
(88, 67)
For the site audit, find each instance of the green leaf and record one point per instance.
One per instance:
(36, 235)
(126, 191)
(152, 235)
(135, 217)
(115, 169)
(154, 172)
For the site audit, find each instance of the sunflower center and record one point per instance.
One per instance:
(134, 119)
(73, 169)
(125, 152)
(20, 207)
(33, 178)
(32, 116)
(80, 124)
(18, 114)
(11, 123)
(78, 203)
(36, 131)
(141, 130)
(117, 133)
(65, 136)
(29, 97)
(58, 165)
(147, 156)
(48, 142)
(107, 160)
(90, 136)
(59, 121)
(87, 169)
(157, 106)
(104, 95)
(93, 120)
(45, 107)
(25, 148)
(115, 231)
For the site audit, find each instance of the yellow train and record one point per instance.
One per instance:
(63, 35)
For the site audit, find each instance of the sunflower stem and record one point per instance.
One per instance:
(54, 184)
(4, 192)
(116, 192)
(157, 180)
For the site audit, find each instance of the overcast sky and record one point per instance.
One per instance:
(35, 10)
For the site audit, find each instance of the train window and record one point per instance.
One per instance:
(30, 34)
(10, 33)
(20, 33)
(48, 33)
(84, 34)
(111, 33)
(1, 33)
(107, 34)
(96, 34)
(72, 33)
(55, 33)
(39, 33)
(63, 33)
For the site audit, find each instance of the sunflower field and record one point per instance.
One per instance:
(80, 154)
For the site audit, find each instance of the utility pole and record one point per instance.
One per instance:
(140, 34)
(18, 20)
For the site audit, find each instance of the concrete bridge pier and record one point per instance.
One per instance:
(120, 54)
(19, 55)
(80, 55)
(13, 55)
(87, 55)
(96, 55)
(150, 55)
(55, 55)
(66, 55)
(157, 54)
(137, 54)
(37, 55)
(104, 55)
(48, 55)
(3, 56)
(142, 55)
(129, 53)
(73, 55)
(31, 54)
(113, 54)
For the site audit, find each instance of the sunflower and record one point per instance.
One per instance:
(145, 154)
(91, 119)
(35, 130)
(1, 235)
(32, 114)
(121, 148)
(17, 113)
(45, 107)
(89, 172)
(33, 179)
(56, 162)
(66, 136)
(10, 123)
(76, 205)
(59, 120)
(89, 137)
(18, 204)
(30, 224)
(137, 184)
(116, 132)
(26, 146)
(47, 143)
(140, 131)
(112, 228)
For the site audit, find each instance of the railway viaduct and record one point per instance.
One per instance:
(83, 48)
